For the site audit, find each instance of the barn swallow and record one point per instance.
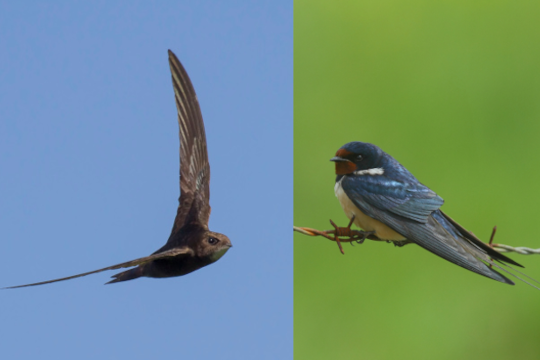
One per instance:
(191, 244)
(386, 200)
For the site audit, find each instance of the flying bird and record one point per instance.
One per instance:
(191, 244)
(383, 198)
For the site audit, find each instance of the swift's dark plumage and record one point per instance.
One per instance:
(191, 244)
(384, 197)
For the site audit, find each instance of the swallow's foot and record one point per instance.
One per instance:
(360, 238)
(400, 243)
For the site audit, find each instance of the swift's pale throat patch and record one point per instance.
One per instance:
(218, 254)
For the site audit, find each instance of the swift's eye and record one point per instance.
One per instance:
(359, 157)
(213, 241)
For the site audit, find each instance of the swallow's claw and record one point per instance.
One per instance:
(364, 236)
(401, 243)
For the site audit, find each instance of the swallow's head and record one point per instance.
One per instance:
(214, 245)
(359, 158)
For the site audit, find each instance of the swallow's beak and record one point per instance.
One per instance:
(343, 166)
(339, 159)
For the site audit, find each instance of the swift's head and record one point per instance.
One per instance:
(213, 245)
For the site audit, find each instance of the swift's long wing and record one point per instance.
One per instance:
(140, 261)
(194, 167)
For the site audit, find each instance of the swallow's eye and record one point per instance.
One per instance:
(213, 241)
(359, 157)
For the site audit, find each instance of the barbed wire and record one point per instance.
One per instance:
(340, 234)
(519, 250)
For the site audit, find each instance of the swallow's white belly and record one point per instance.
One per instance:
(363, 221)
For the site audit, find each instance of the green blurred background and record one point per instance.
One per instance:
(451, 89)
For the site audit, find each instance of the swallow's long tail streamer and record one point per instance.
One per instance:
(517, 277)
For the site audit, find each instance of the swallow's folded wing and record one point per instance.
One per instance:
(136, 262)
(413, 201)
(419, 219)
(194, 167)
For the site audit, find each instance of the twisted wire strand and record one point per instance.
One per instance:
(499, 247)
(519, 250)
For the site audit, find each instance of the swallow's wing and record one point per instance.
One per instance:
(136, 262)
(416, 222)
(413, 201)
(194, 167)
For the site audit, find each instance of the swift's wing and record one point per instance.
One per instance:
(194, 167)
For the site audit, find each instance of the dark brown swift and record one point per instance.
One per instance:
(191, 244)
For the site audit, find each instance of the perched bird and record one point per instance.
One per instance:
(387, 201)
(191, 244)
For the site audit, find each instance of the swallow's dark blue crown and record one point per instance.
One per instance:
(375, 157)
(372, 154)
(358, 147)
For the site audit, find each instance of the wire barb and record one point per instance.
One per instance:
(340, 234)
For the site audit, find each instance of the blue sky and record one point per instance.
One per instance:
(89, 177)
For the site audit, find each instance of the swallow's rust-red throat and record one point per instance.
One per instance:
(344, 167)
